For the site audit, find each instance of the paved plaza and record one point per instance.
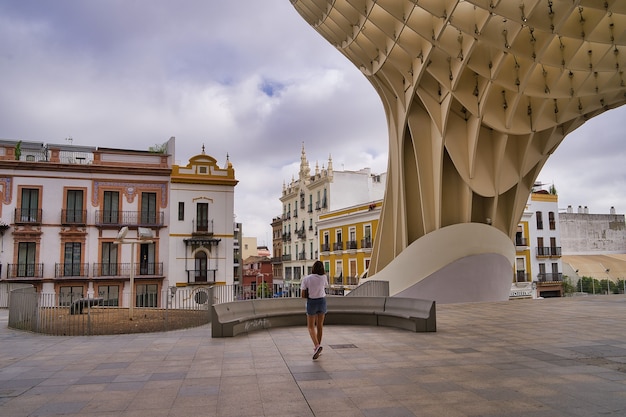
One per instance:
(540, 358)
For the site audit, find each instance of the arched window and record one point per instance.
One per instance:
(201, 265)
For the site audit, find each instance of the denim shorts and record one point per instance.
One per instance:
(315, 306)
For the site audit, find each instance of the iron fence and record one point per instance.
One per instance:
(52, 314)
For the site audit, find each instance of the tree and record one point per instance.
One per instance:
(263, 291)
(18, 150)
(158, 148)
(552, 190)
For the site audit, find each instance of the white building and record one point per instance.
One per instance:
(304, 199)
(201, 222)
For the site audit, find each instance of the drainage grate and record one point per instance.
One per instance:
(346, 346)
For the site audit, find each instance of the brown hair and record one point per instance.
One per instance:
(318, 268)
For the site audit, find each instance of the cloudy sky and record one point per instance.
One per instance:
(247, 78)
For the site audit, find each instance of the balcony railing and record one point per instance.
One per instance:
(302, 256)
(123, 269)
(351, 244)
(286, 257)
(287, 237)
(521, 276)
(129, 218)
(73, 217)
(549, 251)
(71, 270)
(521, 241)
(24, 270)
(195, 276)
(203, 227)
(550, 277)
(325, 247)
(277, 260)
(301, 234)
(27, 216)
(338, 246)
(366, 243)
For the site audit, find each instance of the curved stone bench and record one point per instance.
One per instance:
(231, 319)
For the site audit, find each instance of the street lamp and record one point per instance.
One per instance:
(145, 236)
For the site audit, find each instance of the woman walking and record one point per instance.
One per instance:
(314, 290)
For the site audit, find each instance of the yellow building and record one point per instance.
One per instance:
(345, 239)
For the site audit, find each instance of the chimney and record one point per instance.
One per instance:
(569, 209)
(586, 210)
(612, 211)
(580, 209)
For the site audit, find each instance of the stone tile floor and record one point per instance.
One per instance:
(539, 358)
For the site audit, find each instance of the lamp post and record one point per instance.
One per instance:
(608, 285)
(144, 236)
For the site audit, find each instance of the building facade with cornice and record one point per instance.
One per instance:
(64, 206)
(310, 195)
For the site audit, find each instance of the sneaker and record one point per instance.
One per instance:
(318, 352)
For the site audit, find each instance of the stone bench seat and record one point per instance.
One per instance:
(233, 318)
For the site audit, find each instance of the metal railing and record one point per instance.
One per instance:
(129, 218)
(24, 270)
(27, 216)
(73, 315)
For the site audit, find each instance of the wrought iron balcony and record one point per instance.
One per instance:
(286, 257)
(521, 276)
(27, 216)
(521, 241)
(338, 246)
(366, 243)
(325, 247)
(202, 227)
(123, 269)
(203, 276)
(351, 244)
(73, 217)
(302, 256)
(71, 270)
(550, 277)
(129, 218)
(24, 270)
(549, 251)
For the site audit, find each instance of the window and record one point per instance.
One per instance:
(352, 270)
(146, 296)
(201, 267)
(148, 208)
(147, 259)
(110, 209)
(74, 207)
(338, 269)
(26, 266)
(109, 259)
(109, 294)
(71, 259)
(29, 209)
(69, 294)
(541, 250)
(520, 269)
(539, 220)
(551, 221)
(202, 217)
(181, 211)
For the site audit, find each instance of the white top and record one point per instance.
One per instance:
(315, 284)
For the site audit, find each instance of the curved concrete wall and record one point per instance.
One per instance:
(459, 263)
